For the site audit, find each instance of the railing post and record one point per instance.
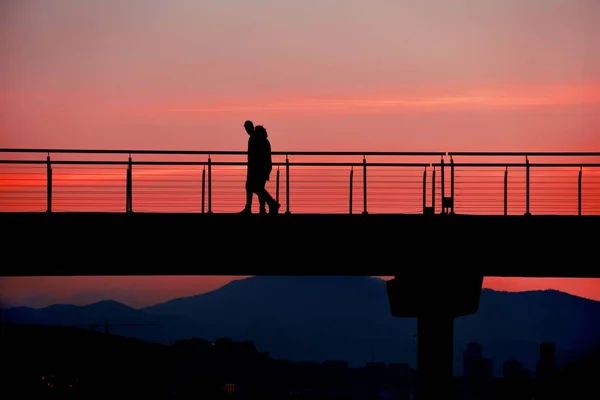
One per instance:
(424, 190)
(203, 187)
(209, 185)
(452, 184)
(527, 208)
(364, 185)
(48, 185)
(127, 190)
(129, 194)
(443, 184)
(287, 185)
(277, 186)
(506, 191)
(579, 191)
(351, 190)
(433, 191)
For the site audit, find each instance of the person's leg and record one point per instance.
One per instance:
(265, 197)
(263, 204)
(248, 208)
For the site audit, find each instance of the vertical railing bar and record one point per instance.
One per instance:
(579, 190)
(129, 195)
(209, 185)
(424, 190)
(203, 188)
(48, 184)
(506, 191)
(277, 186)
(127, 190)
(351, 190)
(443, 184)
(527, 177)
(130, 185)
(287, 185)
(452, 184)
(433, 190)
(364, 185)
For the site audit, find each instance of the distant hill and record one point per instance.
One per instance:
(319, 318)
(169, 329)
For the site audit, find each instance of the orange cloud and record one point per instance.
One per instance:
(479, 99)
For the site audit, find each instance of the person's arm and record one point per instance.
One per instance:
(252, 156)
(268, 159)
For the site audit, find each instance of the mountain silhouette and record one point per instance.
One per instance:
(167, 331)
(320, 318)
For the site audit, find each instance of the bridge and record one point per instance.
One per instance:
(438, 222)
(364, 213)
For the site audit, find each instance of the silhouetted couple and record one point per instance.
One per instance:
(259, 169)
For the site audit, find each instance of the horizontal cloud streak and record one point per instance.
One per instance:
(375, 105)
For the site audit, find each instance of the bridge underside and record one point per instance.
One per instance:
(223, 244)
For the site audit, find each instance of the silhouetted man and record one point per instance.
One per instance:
(259, 169)
(249, 127)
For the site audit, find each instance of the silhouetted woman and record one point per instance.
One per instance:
(259, 170)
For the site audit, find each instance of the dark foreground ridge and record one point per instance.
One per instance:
(56, 244)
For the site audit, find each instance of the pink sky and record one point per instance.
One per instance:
(437, 75)
(434, 74)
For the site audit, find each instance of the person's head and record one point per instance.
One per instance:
(260, 131)
(249, 127)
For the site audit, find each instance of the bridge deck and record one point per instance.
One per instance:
(300, 244)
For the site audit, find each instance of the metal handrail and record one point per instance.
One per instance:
(308, 153)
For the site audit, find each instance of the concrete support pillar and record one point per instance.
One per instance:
(435, 302)
(435, 357)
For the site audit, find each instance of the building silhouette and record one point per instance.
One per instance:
(477, 371)
(547, 363)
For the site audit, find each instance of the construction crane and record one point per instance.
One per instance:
(107, 325)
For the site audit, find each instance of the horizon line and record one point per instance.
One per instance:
(140, 308)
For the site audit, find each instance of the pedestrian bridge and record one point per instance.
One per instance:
(298, 244)
(126, 212)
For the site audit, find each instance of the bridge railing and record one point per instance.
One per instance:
(303, 182)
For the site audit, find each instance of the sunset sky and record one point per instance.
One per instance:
(427, 75)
